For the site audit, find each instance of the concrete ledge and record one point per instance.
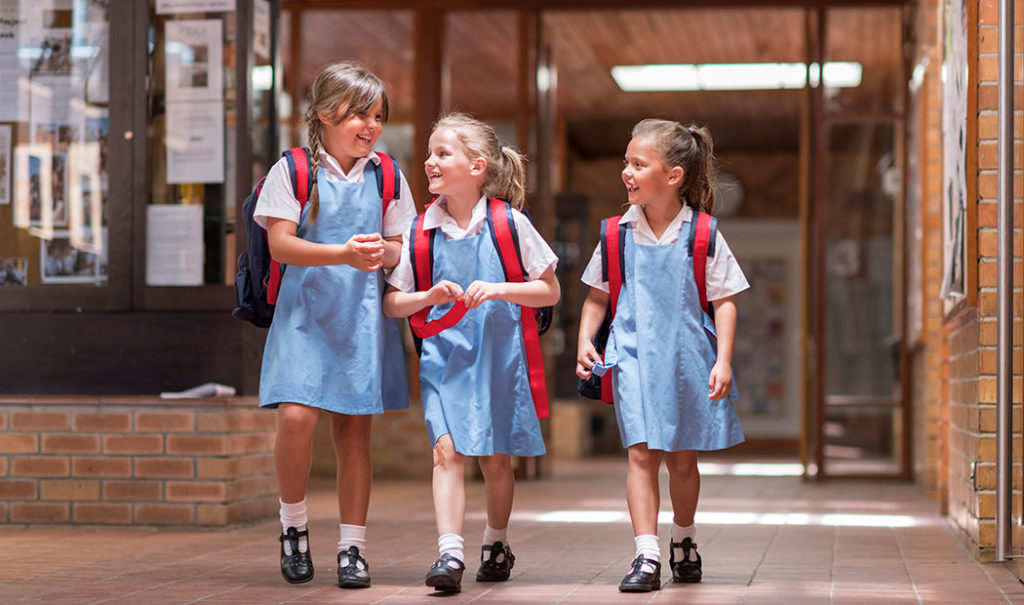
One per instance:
(136, 461)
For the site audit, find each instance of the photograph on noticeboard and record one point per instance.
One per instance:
(13, 271)
(61, 262)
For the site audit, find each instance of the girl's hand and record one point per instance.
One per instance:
(479, 292)
(364, 252)
(443, 292)
(586, 357)
(720, 382)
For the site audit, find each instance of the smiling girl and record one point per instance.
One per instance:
(473, 375)
(329, 346)
(672, 384)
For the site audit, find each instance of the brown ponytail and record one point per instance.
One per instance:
(506, 167)
(690, 148)
(340, 90)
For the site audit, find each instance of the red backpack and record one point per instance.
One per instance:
(506, 241)
(259, 275)
(701, 246)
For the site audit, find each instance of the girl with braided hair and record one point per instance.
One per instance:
(329, 346)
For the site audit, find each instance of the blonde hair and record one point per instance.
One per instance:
(348, 84)
(690, 148)
(505, 177)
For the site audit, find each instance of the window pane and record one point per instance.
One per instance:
(53, 144)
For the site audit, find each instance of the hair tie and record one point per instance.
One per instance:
(500, 149)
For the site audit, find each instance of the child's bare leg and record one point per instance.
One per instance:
(449, 487)
(642, 493)
(683, 485)
(293, 449)
(351, 437)
(500, 486)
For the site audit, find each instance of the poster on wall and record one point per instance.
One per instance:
(5, 164)
(167, 7)
(62, 263)
(13, 70)
(195, 68)
(261, 29)
(954, 133)
(195, 142)
(174, 245)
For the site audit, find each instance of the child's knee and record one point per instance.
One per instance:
(296, 419)
(444, 451)
(494, 464)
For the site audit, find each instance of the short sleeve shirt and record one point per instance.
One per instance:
(537, 255)
(277, 199)
(724, 277)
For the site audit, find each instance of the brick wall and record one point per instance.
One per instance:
(136, 461)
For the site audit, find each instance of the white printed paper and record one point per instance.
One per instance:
(195, 142)
(174, 245)
(166, 7)
(195, 69)
(5, 164)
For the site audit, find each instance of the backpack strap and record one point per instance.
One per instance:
(421, 253)
(506, 241)
(388, 182)
(613, 241)
(703, 231)
(299, 169)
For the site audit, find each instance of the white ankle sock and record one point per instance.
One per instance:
(352, 535)
(680, 533)
(451, 544)
(647, 545)
(294, 514)
(492, 535)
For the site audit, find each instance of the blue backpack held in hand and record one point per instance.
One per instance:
(259, 275)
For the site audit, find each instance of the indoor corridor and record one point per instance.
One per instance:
(766, 537)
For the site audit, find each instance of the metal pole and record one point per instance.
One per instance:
(1004, 289)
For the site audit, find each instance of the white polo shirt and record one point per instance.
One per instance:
(723, 277)
(278, 200)
(537, 255)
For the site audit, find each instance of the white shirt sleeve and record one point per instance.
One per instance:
(401, 276)
(277, 199)
(724, 276)
(537, 254)
(592, 275)
(401, 212)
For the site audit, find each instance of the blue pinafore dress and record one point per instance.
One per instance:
(330, 345)
(474, 379)
(664, 348)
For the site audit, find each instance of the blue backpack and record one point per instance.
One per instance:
(259, 275)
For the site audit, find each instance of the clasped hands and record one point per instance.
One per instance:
(476, 294)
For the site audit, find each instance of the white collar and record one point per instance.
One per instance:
(633, 215)
(357, 169)
(437, 216)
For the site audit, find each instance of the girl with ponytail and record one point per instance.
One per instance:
(474, 382)
(670, 362)
(329, 346)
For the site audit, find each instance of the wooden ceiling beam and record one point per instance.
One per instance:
(572, 5)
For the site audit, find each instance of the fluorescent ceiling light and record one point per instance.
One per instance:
(734, 76)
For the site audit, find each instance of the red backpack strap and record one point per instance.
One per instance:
(421, 253)
(299, 168)
(613, 233)
(506, 241)
(387, 181)
(703, 229)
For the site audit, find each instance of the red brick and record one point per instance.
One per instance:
(102, 512)
(133, 444)
(102, 421)
(213, 514)
(39, 512)
(3, 466)
(3, 512)
(196, 444)
(18, 443)
(165, 514)
(134, 491)
(39, 421)
(40, 466)
(3, 420)
(165, 421)
(176, 468)
(18, 489)
(102, 467)
(196, 491)
(69, 489)
(71, 443)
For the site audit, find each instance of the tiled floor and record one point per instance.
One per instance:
(764, 539)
